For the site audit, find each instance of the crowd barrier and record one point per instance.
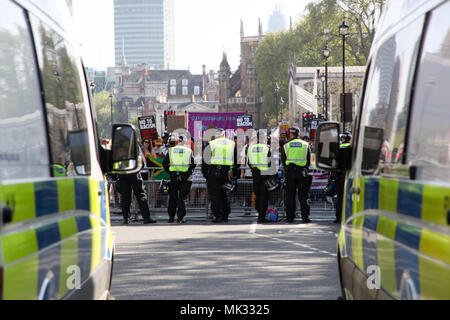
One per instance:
(242, 199)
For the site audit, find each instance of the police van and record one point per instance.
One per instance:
(55, 233)
(394, 241)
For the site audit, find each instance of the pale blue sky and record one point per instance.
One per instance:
(203, 29)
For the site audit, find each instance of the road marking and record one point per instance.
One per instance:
(253, 227)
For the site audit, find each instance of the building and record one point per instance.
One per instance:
(239, 91)
(277, 20)
(306, 90)
(143, 91)
(144, 32)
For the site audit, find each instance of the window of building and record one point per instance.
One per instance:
(185, 91)
(173, 82)
(428, 143)
(173, 91)
(66, 108)
(386, 102)
(184, 82)
(196, 90)
(23, 142)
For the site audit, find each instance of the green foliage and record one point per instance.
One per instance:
(306, 42)
(102, 103)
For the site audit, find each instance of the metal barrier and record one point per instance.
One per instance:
(242, 200)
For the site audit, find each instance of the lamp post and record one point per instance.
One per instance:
(323, 80)
(343, 30)
(276, 89)
(326, 54)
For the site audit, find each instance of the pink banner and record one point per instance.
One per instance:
(198, 122)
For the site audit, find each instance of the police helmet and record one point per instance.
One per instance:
(220, 132)
(346, 136)
(295, 131)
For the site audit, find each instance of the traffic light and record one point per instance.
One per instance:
(166, 114)
(304, 119)
(307, 117)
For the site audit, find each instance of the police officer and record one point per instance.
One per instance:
(295, 157)
(340, 178)
(179, 163)
(133, 182)
(258, 155)
(223, 158)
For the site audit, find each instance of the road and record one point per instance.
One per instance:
(237, 260)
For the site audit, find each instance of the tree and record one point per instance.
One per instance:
(102, 103)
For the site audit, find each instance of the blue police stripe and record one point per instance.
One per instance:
(369, 242)
(49, 260)
(371, 194)
(46, 198)
(409, 199)
(406, 256)
(348, 200)
(47, 235)
(103, 213)
(83, 223)
(82, 200)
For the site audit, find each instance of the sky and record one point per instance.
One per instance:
(204, 29)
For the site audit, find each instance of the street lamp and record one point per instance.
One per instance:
(323, 79)
(276, 89)
(326, 54)
(343, 30)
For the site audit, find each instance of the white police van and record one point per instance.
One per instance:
(394, 241)
(55, 233)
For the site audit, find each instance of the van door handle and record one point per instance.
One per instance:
(355, 190)
(7, 214)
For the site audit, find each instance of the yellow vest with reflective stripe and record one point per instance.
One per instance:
(222, 152)
(344, 145)
(180, 159)
(258, 156)
(296, 152)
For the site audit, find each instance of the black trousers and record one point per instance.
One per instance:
(261, 195)
(297, 183)
(220, 203)
(178, 193)
(127, 184)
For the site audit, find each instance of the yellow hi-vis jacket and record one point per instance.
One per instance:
(258, 156)
(222, 152)
(180, 158)
(296, 152)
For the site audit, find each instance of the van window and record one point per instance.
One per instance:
(429, 141)
(23, 141)
(64, 102)
(386, 101)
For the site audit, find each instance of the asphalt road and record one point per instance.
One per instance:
(238, 260)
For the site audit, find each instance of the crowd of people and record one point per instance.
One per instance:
(180, 157)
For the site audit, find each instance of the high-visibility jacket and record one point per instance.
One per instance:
(180, 158)
(222, 152)
(258, 156)
(344, 145)
(296, 152)
(58, 170)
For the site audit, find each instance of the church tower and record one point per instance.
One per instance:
(224, 80)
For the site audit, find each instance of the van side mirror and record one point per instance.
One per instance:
(126, 157)
(327, 146)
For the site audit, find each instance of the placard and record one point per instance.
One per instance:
(147, 126)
